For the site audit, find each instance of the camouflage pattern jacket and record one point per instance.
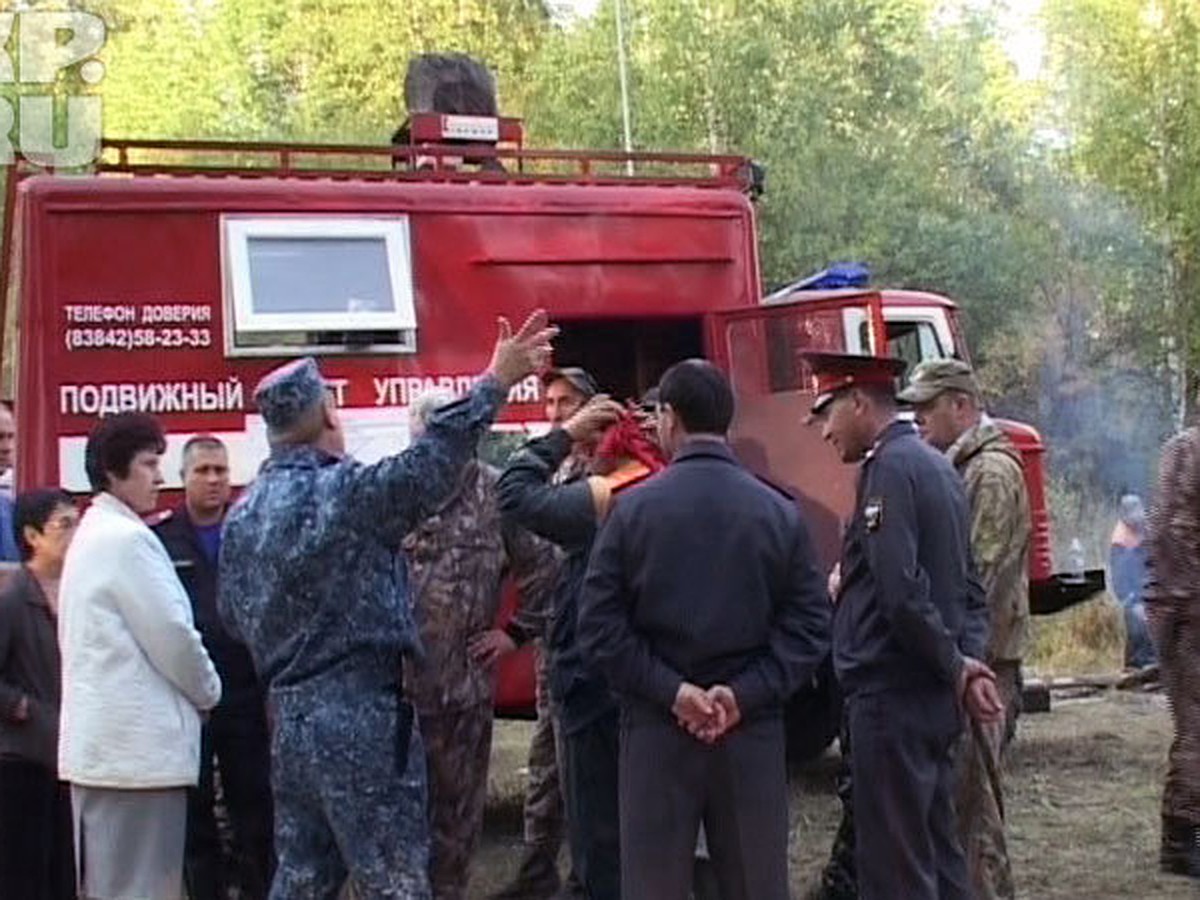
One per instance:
(1001, 528)
(457, 560)
(1174, 533)
(311, 579)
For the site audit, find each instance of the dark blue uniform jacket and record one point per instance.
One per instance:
(705, 574)
(910, 606)
(240, 687)
(564, 515)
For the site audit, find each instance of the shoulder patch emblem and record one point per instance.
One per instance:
(873, 513)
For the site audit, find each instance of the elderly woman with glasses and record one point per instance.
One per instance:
(36, 861)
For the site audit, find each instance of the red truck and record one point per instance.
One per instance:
(175, 274)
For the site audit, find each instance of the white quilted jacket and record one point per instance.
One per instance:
(135, 673)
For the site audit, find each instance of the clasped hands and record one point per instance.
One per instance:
(707, 715)
(978, 693)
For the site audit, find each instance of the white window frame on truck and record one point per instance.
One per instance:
(282, 334)
(855, 321)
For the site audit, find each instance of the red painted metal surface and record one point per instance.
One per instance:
(581, 253)
(639, 271)
(1033, 460)
(653, 250)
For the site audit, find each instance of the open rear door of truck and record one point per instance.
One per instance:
(760, 348)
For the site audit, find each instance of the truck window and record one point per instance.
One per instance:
(296, 284)
(787, 338)
(913, 342)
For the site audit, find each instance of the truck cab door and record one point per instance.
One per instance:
(760, 349)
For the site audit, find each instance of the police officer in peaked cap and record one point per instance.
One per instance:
(910, 626)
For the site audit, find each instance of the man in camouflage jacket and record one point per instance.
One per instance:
(312, 583)
(457, 560)
(1173, 611)
(950, 416)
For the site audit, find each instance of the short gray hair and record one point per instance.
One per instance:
(199, 442)
(427, 403)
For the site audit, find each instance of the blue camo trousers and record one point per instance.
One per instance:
(343, 806)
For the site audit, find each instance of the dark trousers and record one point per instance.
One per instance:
(37, 857)
(670, 783)
(902, 766)
(839, 880)
(236, 740)
(591, 800)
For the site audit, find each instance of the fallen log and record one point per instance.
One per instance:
(1036, 692)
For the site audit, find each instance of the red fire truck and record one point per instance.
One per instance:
(175, 274)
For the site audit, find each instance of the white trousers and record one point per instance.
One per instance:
(129, 843)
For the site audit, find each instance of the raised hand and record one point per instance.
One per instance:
(521, 354)
(593, 418)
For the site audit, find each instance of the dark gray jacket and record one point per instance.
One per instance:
(705, 574)
(911, 605)
(30, 667)
(565, 515)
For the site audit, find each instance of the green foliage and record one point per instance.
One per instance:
(1127, 72)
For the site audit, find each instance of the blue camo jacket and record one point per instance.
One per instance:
(311, 577)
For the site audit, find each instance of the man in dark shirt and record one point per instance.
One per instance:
(235, 737)
(909, 628)
(568, 515)
(704, 608)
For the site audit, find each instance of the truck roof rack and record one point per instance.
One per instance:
(434, 149)
(487, 163)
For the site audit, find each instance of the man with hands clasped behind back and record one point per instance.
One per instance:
(704, 608)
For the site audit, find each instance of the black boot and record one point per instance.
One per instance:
(1180, 853)
(536, 879)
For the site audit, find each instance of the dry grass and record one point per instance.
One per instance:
(1087, 639)
(1083, 787)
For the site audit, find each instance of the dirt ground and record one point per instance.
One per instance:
(1084, 783)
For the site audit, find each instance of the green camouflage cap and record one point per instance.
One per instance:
(934, 377)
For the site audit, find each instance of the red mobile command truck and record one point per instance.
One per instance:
(176, 274)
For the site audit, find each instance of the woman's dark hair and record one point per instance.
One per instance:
(700, 395)
(33, 509)
(114, 443)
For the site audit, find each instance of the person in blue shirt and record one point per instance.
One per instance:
(312, 581)
(9, 552)
(235, 736)
(1127, 563)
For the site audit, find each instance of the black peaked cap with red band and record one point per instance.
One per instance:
(834, 372)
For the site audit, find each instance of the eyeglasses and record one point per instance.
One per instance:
(63, 523)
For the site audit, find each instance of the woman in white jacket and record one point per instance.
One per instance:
(135, 677)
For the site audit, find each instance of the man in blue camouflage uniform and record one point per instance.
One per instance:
(312, 583)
